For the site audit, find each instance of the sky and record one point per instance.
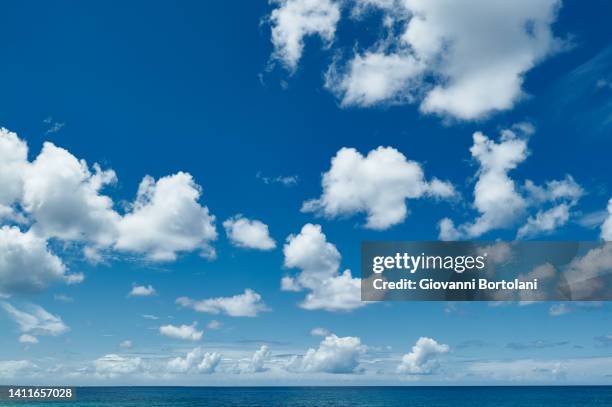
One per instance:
(184, 185)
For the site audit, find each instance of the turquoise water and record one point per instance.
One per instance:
(574, 396)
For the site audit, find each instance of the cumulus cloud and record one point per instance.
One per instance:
(334, 355)
(58, 196)
(184, 332)
(127, 344)
(13, 161)
(256, 363)
(606, 227)
(112, 365)
(26, 263)
(247, 233)
(319, 262)
(142, 291)
(500, 203)
(63, 196)
(423, 358)
(436, 57)
(195, 360)
(378, 185)
(565, 193)
(35, 320)
(166, 219)
(248, 304)
(293, 20)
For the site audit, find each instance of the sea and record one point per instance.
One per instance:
(465, 396)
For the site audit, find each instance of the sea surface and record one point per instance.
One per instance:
(532, 396)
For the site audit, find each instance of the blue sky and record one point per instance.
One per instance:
(205, 88)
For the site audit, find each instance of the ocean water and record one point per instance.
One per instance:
(532, 396)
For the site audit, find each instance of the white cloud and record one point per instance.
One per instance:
(26, 264)
(248, 304)
(319, 262)
(166, 219)
(36, 320)
(498, 200)
(127, 344)
(545, 221)
(257, 361)
(318, 331)
(556, 310)
(378, 185)
(495, 194)
(438, 55)
(63, 197)
(28, 339)
(334, 355)
(293, 20)
(284, 180)
(142, 291)
(247, 233)
(214, 325)
(15, 368)
(59, 196)
(184, 332)
(606, 227)
(112, 365)
(195, 360)
(13, 161)
(375, 77)
(423, 358)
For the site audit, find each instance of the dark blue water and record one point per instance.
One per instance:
(574, 396)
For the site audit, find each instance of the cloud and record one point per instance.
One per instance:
(557, 310)
(378, 185)
(248, 304)
(436, 56)
(546, 221)
(606, 227)
(214, 325)
(184, 332)
(127, 344)
(334, 355)
(112, 365)
(166, 219)
(195, 360)
(63, 298)
(497, 199)
(374, 77)
(423, 358)
(257, 361)
(250, 234)
(15, 368)
(13, 161)
(63, 196)
(151, 317)
(142, 291)
(36, 320)
(284, 180)
(28, 339)
(58, 196)
(293, 20)
(319, 262)
(26, 264)
(318, 331)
